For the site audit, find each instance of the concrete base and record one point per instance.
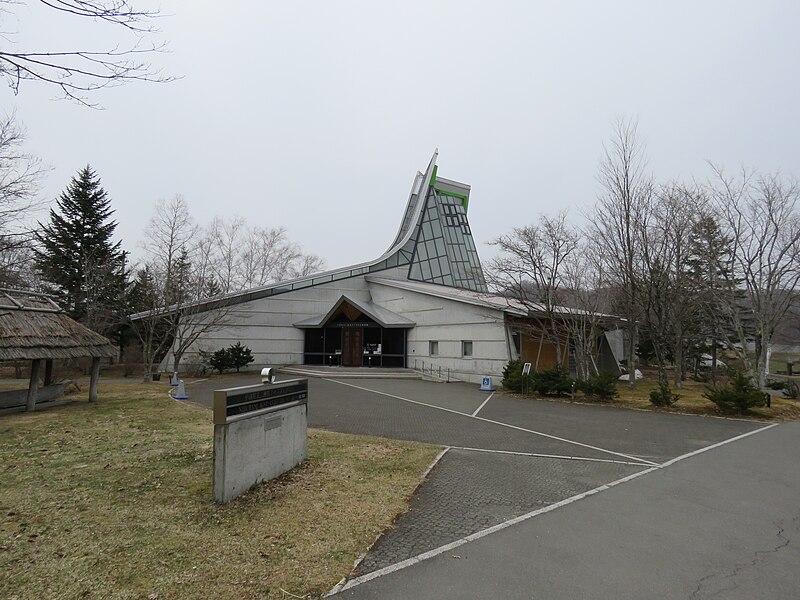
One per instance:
(257, 449)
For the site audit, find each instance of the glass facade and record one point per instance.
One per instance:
(445, 252)
(380, 347)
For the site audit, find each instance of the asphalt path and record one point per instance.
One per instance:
(721, 524)
(541, 499)
(442, 414)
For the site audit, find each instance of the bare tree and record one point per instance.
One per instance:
(17, 266)
(20, 174)
(239, 257)
(187, 267)
(621, 209)
(78, 71)
(227, 240)
(665, 283)
(585, 302)
(306, 264)
(530, 269)
(163, 279)
(761, 215)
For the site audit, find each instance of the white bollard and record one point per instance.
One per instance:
(486, 384)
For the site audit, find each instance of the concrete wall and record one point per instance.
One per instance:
(449, 323)
(252, 450)
(266, 327)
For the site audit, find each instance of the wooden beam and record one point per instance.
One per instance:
(93, 380)
(33, 386)
(48, 372)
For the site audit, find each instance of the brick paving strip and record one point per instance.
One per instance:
(472, 490)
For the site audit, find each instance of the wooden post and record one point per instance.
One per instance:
(33, 386)
(93, 380)
(48, 372)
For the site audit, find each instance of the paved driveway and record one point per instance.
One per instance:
(507, 460)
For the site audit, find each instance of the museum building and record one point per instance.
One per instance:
(422, 302)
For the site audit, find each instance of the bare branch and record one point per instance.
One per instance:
(78, 72)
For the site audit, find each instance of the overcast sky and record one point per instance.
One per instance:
(316, 115)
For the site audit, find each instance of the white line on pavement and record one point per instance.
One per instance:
(477, 410)
(339, 586)
(717, 445)
(557, 456)
(539, 433)
(483, 533)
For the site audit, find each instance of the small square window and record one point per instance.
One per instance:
(433, 348)
(466, 348)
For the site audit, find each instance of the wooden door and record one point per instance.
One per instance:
(352, 346)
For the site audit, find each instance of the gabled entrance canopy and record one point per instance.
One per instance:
(351, 308)
(355, 333)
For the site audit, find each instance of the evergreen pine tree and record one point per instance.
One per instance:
(77, 256)
(713, 280)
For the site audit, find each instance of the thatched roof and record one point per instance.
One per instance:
(32, 326)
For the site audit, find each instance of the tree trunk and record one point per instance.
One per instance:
(758, 368)
(631, 353)
(762, 358)
(714, 361)
(176, 361)
(678, 370)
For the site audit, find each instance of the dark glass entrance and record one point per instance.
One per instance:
(352, 339)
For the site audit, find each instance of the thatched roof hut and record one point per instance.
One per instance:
(33, 327)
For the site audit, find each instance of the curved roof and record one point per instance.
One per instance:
(403, 251)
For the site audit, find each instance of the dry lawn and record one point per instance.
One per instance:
(692, 401)
(113, 500)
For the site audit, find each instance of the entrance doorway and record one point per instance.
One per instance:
(352, 346)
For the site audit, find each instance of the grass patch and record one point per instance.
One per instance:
(692, 401)
(113, 500)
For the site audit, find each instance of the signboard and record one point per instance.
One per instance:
(260, 431)
(526, 369)
(236, 403)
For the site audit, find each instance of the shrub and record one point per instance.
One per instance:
(776, 385)
(240, 356)
(602, 386)
(555, 382)
(218, 360)
(512, 376)
(791, 390)
(739, 395)
(234, 356)
(663, 396)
